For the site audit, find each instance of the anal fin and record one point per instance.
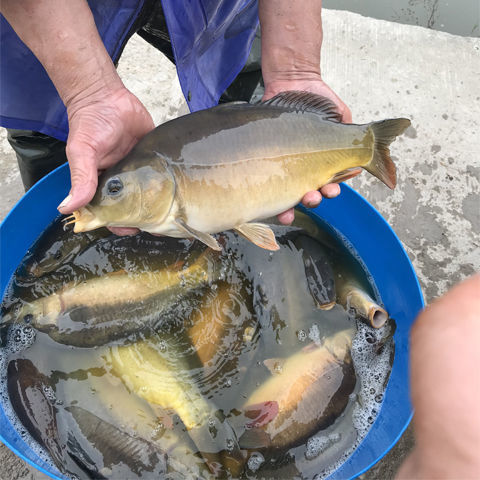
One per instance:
(259, 234)
(206, 238)
(345, 175)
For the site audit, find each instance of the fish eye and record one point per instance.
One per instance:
(28, 318)
(57, 255)
(114, 186)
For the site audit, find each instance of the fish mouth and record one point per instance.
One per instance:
(377, 316)
(84, 220)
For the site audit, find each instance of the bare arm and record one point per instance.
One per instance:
(292, 38)
(105, 119)
(445, 360)
(291, 44)
(64, 38)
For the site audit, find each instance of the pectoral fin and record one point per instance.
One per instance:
(274, 365)
(261, 413)
(254, 438)
(206, 238)
(259, 234)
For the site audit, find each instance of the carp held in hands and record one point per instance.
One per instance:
(234, 164)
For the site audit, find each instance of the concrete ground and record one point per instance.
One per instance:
(381, 70)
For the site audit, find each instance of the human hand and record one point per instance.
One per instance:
(104, 127)
(291, 43)
(315, 85)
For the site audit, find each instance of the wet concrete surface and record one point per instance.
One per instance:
(381, 70)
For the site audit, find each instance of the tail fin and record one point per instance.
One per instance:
(384, 133)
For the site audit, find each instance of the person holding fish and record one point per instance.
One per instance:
(76, 45)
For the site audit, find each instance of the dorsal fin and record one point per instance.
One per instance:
(306, 102)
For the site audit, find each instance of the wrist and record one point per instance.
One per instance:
(85, 89)
(81, 68)
(291, 40)
(284, 81)
(286, 64)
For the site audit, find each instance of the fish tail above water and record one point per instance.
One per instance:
(384, 133)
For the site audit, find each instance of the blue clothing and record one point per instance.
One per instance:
(211, 40)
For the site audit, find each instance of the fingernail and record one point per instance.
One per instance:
(65, 202)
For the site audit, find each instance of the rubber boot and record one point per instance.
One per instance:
(37, 154)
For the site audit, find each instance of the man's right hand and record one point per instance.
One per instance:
(105, 119)
(104, 127)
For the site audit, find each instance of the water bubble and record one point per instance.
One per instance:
(23, 336)
(314, 334)
(379, 397)
(316, 446)
(255, 461)
(372, 391)
(49, 393)
(369, 337)
(302, 335)
(335, 437)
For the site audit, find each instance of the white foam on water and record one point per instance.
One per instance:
(314, 335)
(255, 461)
(372, 367)
(318, 444)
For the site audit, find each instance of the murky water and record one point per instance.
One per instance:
(146, 357)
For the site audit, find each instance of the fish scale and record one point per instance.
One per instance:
(229, 166)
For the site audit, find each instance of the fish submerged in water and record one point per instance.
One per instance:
(311, 389)
(49, 255)
(226, 167)
(115, 305)
(150, 375)
(27, 386)
(143, 420)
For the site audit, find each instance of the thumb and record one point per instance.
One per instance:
(84, 178)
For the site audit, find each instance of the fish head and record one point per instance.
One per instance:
(22, 314)
(134, 198)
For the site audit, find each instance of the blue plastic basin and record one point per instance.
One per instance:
(350, 214)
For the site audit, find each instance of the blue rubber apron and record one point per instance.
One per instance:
(211, 40)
